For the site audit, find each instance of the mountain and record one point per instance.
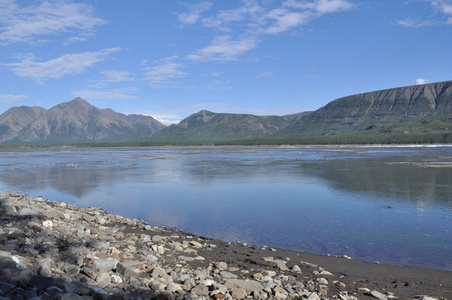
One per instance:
(207, 125)
(413, 109)
(73, 120)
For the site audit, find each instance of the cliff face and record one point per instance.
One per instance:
(418, 103)
(73, 120)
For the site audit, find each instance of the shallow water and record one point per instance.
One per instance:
(386, 204)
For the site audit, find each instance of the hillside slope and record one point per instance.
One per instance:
(206, 125)
(412, 109)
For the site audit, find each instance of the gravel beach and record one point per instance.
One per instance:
(53, 250)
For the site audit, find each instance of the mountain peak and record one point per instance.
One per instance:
(78, 99)
(73, 120)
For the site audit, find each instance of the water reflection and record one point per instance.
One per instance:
(386, 204)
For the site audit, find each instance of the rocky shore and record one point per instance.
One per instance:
(53, 250)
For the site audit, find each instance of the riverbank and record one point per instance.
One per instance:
(54, 250)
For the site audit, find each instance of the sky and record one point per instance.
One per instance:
(170, 59)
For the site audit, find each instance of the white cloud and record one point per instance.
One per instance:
(164, 73)
(164, 117)
(58, 67)
(286, 19)
(114, 77)
(266, 74)
(117, 76)
(253, 19)
(294, 13)
(25, 23)
(11, 98)
(410, 22)
(195, 13)
(106, 95)
(420, 81)
(224, 48)
(444, 6)
(331, 6)
(250, 9)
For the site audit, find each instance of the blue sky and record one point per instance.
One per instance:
(170, 59)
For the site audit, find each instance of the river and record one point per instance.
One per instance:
(387, 204)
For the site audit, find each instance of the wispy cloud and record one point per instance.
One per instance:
(27, 23)
(118, 76)
(410, 22)
(224, 48)
(112, 76)
(252, 20)
(106, 95)
(164, 73)
(11, 98)
(332, 6)
(441, 7)
(445, 7)
(266, 74)
(66, 64)
(249, 10)
(286, 19)
(295, 13)
(195, 11)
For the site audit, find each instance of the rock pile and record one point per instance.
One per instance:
(52, 250)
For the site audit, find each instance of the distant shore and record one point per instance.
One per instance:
(57, 250)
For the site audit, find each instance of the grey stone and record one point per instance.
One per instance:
(103, 278)
(70, 288)
(248, 286)
(378, 295)
(71, 269)
(239, 293)
(89, 272)
(99, 293)
(165, 296)
(11, 211)
(41, 282)
(105, 265)
(228, 275)
(200, 290)
(28, 273)
(70, 296)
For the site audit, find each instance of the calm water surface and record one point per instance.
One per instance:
(392, 205)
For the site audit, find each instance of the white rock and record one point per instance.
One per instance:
(47, 223)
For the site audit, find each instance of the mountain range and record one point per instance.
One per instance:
(73, 120)
(417, 109)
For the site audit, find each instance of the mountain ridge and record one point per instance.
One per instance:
(207, 125)
(73, 120)
(417, 110)
(377, 110)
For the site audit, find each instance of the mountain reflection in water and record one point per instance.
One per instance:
(391, 204)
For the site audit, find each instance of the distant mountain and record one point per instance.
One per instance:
(210, 126)
(422, 110)
(413, 109)
(73, 120)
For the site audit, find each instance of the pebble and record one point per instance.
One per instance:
(52, 250)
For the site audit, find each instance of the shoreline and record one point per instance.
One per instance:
(60, 251)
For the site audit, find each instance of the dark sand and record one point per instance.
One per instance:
(403, 282)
